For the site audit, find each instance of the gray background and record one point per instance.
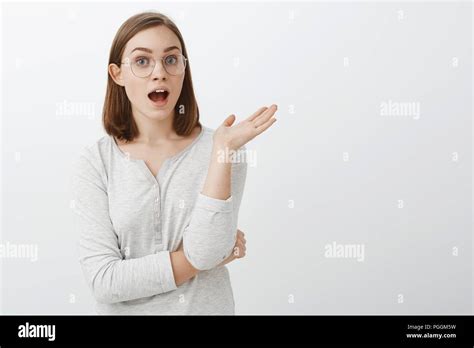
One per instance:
(303, 193)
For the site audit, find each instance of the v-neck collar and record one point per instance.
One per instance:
(141, 163)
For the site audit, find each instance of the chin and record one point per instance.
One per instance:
(160, 114)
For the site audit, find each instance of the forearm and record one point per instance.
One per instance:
(182, 269)
(218, 180)
(211, 233)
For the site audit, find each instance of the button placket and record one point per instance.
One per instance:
(157, 214)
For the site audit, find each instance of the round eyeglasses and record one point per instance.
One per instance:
(174, 64)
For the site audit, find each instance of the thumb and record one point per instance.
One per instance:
(229, 120)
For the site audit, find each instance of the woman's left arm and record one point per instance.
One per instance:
(228, 140)
(212, 232)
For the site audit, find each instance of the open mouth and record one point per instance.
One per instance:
(159, 96)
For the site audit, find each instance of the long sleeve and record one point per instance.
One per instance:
(110, 277)
(211, 234)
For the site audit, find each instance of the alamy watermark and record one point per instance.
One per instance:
(68, 109)
(19, 251)
(400, 109)
(237, 156)
(37, 331)
(345, 251)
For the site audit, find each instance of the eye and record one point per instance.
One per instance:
(171, 60)
(142, 61)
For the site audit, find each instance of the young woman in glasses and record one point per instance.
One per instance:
(157, 198)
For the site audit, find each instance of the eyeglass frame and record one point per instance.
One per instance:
(127, 62)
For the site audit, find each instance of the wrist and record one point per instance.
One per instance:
(221, 145)
(222, 154)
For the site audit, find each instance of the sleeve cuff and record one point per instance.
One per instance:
(168, 282)
(214, 204)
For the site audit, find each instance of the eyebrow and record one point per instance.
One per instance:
(151, 51)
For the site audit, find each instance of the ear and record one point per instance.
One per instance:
(116, 74)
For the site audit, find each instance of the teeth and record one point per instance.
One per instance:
(159, 90)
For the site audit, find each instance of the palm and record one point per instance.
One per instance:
(238, 135)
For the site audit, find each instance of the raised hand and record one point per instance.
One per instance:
(234, 137)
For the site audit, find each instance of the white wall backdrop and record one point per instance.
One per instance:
(372, 148)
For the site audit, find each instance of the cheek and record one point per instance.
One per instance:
(135, 89)
(177, 86)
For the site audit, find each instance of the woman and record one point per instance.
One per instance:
(157, 205)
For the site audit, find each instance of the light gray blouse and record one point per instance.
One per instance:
(129, 221)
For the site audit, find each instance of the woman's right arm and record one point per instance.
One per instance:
(111, 278)
(182, 268)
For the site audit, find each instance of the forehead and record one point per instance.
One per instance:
(156, 38)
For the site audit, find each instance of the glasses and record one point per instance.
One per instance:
(174, 64)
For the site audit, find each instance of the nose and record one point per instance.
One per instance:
(159, 71)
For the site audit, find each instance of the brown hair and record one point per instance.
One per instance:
(117, 115)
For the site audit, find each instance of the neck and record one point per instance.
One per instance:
(153, 132)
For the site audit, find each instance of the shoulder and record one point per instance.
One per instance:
(207, 134)
(92, 157)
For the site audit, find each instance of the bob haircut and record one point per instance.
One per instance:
(117, 115)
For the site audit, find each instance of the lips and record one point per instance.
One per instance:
(158, 95)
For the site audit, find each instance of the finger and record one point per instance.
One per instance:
(265, 116)
(266, 125)
(229, 120)
(241, 247)
(257, 113)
